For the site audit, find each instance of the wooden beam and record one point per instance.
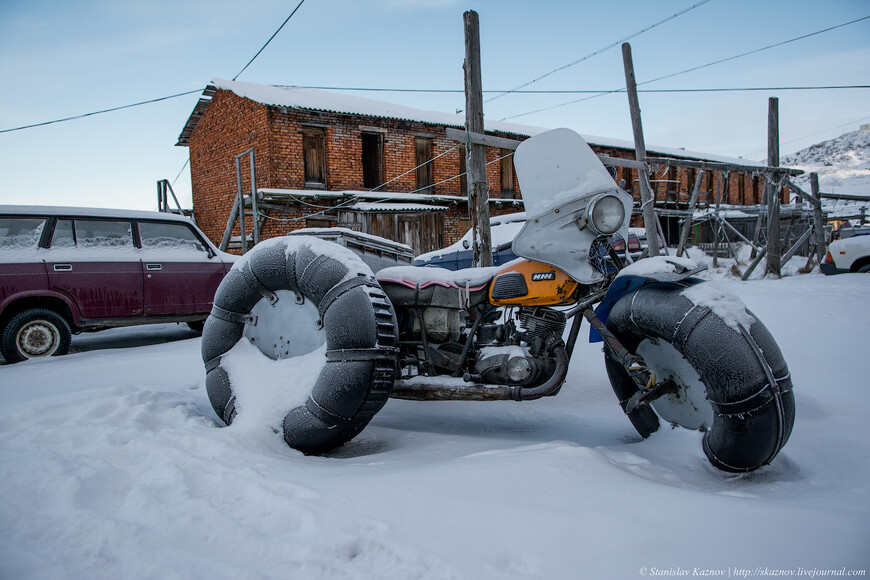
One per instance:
(481, 139)
(721, 166)
(647, 200)
(693, 203)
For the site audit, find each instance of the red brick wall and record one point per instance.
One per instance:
(231, 125)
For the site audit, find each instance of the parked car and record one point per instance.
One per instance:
(65, 270)
(503, 231)
(851, 254)
(460, 254)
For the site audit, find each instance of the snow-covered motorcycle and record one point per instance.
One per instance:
(675, 348)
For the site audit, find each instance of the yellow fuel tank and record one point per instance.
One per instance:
(530, 283)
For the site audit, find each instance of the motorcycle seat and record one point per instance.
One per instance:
(425, 286)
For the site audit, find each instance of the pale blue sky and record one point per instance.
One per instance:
(64, 58)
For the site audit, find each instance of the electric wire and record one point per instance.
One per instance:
(692, 69)
(270, 40)
(580, 91)
(595, 93)
(599, 51)
(148, 102)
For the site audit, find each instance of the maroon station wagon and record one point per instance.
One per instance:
(65, 270)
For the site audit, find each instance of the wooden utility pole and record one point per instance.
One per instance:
(647, 202)
(818, 218)
(478, 190)
(773, 188)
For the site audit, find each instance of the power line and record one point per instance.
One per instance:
(595, 93)
(694, 68)
(580, 92)
(688, 70)
(100, 112)
(599, 51)
(270, 39)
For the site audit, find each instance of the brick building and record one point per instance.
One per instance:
(326, 159)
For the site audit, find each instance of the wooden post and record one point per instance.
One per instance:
(478, 190)
(818, 218)
(693, 203)
(774, 247)
(647, 202)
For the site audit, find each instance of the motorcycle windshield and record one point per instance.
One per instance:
(559, 176)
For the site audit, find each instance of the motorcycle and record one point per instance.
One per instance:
(676, 349)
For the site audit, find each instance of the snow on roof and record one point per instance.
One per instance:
(88, 212)
(321, 100)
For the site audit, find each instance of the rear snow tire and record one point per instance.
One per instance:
(359, 324)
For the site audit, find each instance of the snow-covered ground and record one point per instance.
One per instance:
(113, 465)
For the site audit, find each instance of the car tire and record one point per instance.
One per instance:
(35, 333)
(865, 269)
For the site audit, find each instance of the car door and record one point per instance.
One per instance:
(95, 262)
(181, 273)
(22, 270)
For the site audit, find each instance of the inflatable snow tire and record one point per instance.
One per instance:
(733, 384)
(356, 317)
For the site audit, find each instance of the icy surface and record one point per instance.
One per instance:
(658, 265)
(113, 465)
(724, 303)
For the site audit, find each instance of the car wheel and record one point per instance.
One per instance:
(865, 269)
(35, 333)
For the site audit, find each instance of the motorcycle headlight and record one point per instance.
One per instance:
(606, 214)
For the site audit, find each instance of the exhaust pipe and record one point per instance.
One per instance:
(424, 391)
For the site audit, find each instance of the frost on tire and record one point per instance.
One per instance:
(733, 382)
(306, 283)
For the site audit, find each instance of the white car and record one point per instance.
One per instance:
(849, 255)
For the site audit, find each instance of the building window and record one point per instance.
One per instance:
(372, 159)
(507, 173)
(423, 154)
(314, 157)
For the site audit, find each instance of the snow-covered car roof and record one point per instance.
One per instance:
(56, 210)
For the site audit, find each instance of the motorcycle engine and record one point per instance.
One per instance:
(526, 364)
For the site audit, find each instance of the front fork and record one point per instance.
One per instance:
(648, 390)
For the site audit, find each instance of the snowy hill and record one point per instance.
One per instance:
(843, 166)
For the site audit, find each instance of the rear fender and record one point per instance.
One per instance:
(642, 272)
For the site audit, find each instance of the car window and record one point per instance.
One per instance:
(63, 236)
(103, 233)
(20, 233)
(171, 237)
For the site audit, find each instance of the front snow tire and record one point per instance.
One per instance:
(733, 383)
